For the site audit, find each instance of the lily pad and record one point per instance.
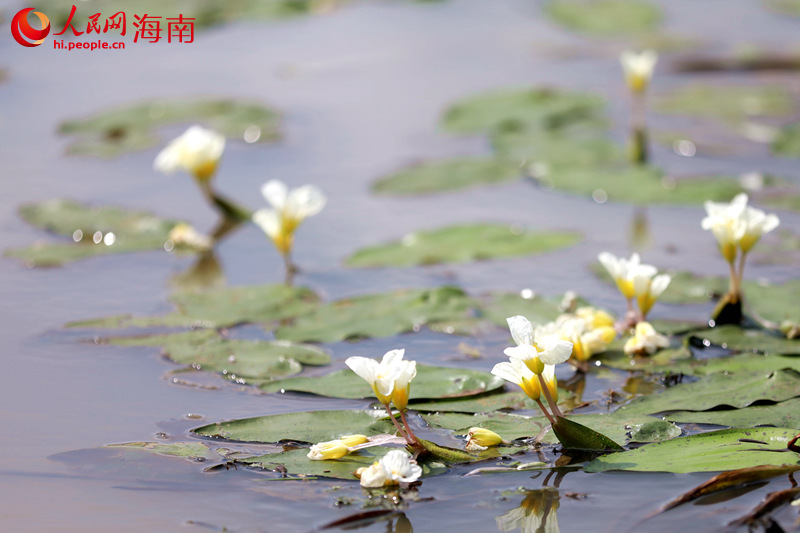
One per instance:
(131, 127)
(576, 147)
(774, 302)
(654, 431)
(733, 390)
(666, 360)
(94, 231)
(251, 362)
(538, 309)
(219, 308)
(740, 339)
(790, 7)
(461, 244)
(727, 449)
(483, 404)
(783, 415)
(728, 103)
(514, 110)
(605, 17)
(310, 426)
(430, 382)
(575, 436)
(377, 315)
(446, 175)
(740, 363)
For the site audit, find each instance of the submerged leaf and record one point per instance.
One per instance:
(729, 103)
(430, 382)
(756, 340)
(728, 449)
(192, 450)
(459, 244)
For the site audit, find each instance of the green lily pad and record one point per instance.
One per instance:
(783, 415)
(191, 450)
(740, 363)
(123, 129)
(310, 426)
(461, 244)
(483, 404)
(728, 103)
(666, 360)
(377, 315)
(219, 308)
(251, 362)
(605, 17)
(787, 142)
(733, 390)
(775, 302)
(640, 185)
(446, 175)
(740, 339)
(584, 147)
(538, 309)
(94, 231)
(790, 7)
(707, 452)
(430, 382)
(513, 110)
(296, 463)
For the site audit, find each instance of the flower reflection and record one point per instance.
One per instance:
(536, 513)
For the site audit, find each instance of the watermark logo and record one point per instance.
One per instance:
(24, 33)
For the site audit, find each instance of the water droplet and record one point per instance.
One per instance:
(706, 343)
(527, 294)
(97, 237)
(161, 435)
(231, 358)
(77, 235)
(193, 416)
(169, 245)
(109, 239)
(684, 147)
(252, 134)
(600, 196)
(598, 363)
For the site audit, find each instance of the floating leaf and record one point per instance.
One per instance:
(378, 315)
(461, 244)
(783, 415)
(740, 363)
(243, 361)
(728, 103)
(586, 147)
(774, 302)
(446, 175)
(538, 309)
(740, 339)
(790, 7)
(220, 308)
(94, 231)
(665, 360)
(513, 110)
(310, 427)
(191, 450)
(131, 127)
(728, 449)
(734, 390)
(430, 382)
(483, 404)
(605, 17)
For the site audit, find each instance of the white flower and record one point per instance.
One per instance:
(372, 477)
(645, 340)
(399, 467)
(185, 235)
(638, 69)
(333, 449)
(516, 371)
(735, 224)
(586, 340)
(197, 151)
(549, 350)
(626, 272)
(381, 376)
(289, 209)
(648, 290)
(479, 439)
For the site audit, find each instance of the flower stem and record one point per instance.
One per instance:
(553, 405)
(740, 275)
(394, 421)
(411, 438)
(548, 415)
(734, 284)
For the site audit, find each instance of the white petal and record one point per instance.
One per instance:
(364, 367)
(269, 221)
(521, 330)
(659, 285)
(392, 357)
(507, 372)
(555, 352)
(611, 263)
(275, 192)
(522, 353)
(373, 477)
(304, 202)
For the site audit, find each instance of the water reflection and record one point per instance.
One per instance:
(640, 237)
(536, 513)
(206, 271)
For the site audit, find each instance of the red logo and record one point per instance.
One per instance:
(24, 33)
